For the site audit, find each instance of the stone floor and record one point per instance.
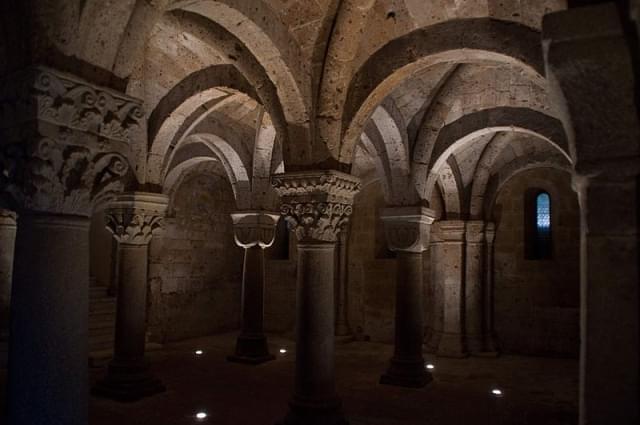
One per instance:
(536, 391)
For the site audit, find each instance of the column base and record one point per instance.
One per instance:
(452, 345)
(128, 382)
(315, 413)
(403, 373)
(475, 344)
(251, 350)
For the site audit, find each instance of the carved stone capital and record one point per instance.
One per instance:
(316, 204)
(474, 232)
(64, 100)
(134, 217)
(64, 143)
(449, 231)
(253, 228)
(8, 218)
(407, 228)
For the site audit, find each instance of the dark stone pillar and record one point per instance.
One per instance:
(7, 248)
(407, 230)
(132, 219)
(254, 231)
(474, 259)
(343, 330)
(48, 379)
(450, 237)
(316, 206)
(590, 68)
(63, 149)
(490, 342)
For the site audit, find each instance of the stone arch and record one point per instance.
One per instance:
(497, 181)
(471, 126)
(449, 182)
(182, 101)
(265, 37)
(492, 41)
(235, 168)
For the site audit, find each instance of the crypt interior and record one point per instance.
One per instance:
(319, 212)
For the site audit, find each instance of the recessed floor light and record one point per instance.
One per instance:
(429, 366)
(496, 392)
(283, 351)
(199, 352)
(201, 415)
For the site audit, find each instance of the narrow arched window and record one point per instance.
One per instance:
(538, 225)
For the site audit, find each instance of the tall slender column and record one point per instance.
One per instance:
(407, 230)
(474, 255)
(132, 218)
(254, 231)
(316, 206)
(7, 247)
(437, 285)
(451, 234)
(342, 289)
(490, 342)
(63, 147)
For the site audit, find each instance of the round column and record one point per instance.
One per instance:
(132, 219)
(437, 284)
(474, 255)
(343, 329)
(490, 342)
(48, 349)
(407, 230)
(452, 343)
(254, 231)
(316, 206)
(7, 247)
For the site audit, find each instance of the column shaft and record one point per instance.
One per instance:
(132, 301)
(407, 365)
(7, 248)
(474, 253)
(48, 350)
(437, 282)
(251, 345)
(452, 343)
(342, 313)
(490, 343)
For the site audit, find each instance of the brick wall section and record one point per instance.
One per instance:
(195, 270)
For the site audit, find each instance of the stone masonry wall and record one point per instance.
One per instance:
(195, 270)
(536, 301)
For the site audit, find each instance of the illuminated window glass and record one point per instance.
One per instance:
(543, 212)
(538, 221)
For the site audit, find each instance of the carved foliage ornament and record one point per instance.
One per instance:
(134, 218)
(67, 101)
(49, 175)
(316, 205)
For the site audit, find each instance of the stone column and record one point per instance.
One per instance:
(437, 289)
(587, 50)
(316, 206)
(474, 259)
(490, 343)
(343, 329)
(7, 245)
(451, 240)
(132, 218)
(63, 148)
(407, 231)
(254, 231)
